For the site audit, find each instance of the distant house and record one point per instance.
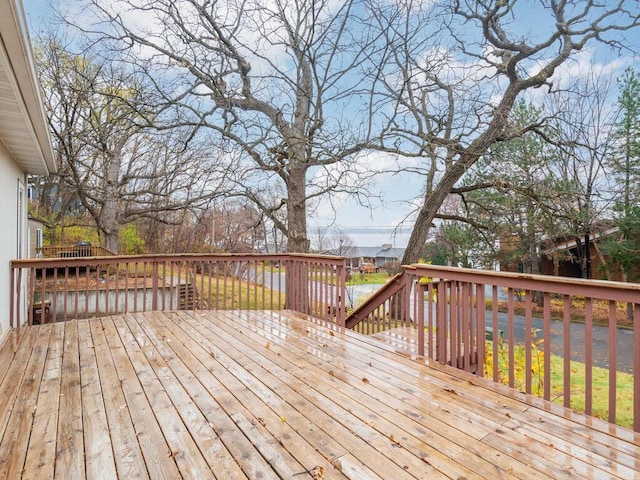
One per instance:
(376, 255)
(564, 256)
(25, 146)
(388, 254)
(35, 234)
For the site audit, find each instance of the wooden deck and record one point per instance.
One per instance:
(268, 395)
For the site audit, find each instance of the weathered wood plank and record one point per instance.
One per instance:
(16, 438)
(205, 366)
(267, 445)
(124, 440)
(70, 441)
(491, 393)
(300, 413)
(272, 395)
(158, 457)
(276, 409)
(9, 346)
(417, 430)
(41, 456)
(541, 419)
(14, 374)
(354, 469)
(295, 377)
(182, 447)
(98, 449)
(509, 462)
(188, 396)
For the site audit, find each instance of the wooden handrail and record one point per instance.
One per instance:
(384, 293)
(84, 287)
(516, 326)
(71, 251)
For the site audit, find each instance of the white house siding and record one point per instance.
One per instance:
(25, 146)
(11, 175)
(35, 232)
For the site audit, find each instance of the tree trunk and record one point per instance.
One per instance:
(466, 158)
(432, 203)
(297, 241)
(587, 255)
(109, 218)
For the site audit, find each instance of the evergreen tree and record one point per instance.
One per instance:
(625, 166)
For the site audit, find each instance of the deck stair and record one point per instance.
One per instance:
(188, 295)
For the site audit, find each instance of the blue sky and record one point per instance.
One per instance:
(378, 225)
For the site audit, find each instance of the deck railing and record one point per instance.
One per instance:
(386, 308)
(70, 251)
(534, 333)
(68, 288)
(547, 336)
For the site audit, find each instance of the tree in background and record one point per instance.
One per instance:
(278, 83)
(507, 201)
(625, 166)
(455, 70)
(458, 244)
(112, 166)
(342, 244)
(581, 142)
(229, 227)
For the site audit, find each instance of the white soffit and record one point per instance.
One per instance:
(23, 129)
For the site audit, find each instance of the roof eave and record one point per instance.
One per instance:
(19, 66)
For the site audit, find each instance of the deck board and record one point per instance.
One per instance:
(270, 395)
(40, 461)
(98, 451)
(127, 453)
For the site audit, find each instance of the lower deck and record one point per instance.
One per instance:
(270, 395)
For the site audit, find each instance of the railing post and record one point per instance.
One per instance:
(636, 367)
(154, 282)
(481, 298)
(341, 297)
(419, 296)
(14, 299)
(441, 323)
(406, 300)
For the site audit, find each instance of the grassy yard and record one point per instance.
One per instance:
(237, 294)
(624, 382)
(367, 278)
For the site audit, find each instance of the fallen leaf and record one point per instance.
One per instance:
(317, 473)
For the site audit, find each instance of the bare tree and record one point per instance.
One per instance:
(279, 81)
(320, 239)
(229, 226)
(455, 70)
(584, 141)
(342, 244)
(117, 166)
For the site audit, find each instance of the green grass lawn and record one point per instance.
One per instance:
(356, 278)
(600, 398)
